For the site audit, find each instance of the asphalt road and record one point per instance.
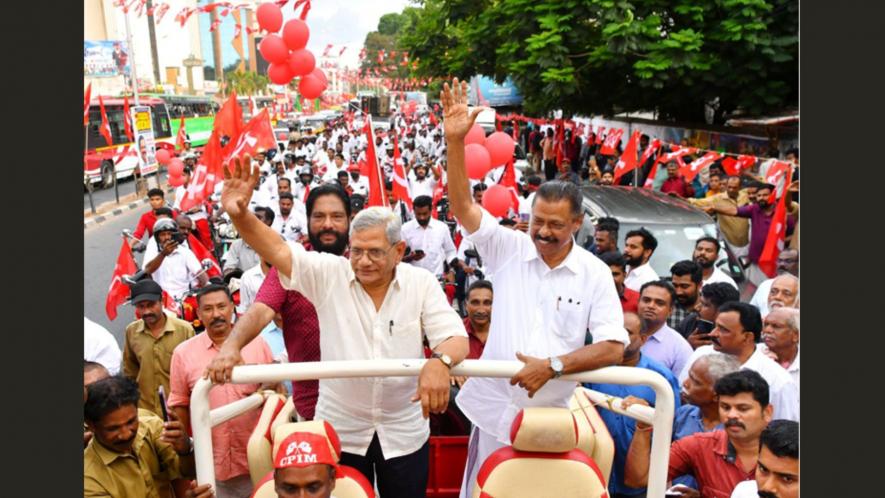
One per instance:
(101, 245)
(126, 187)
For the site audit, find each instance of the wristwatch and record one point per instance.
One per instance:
(556, 366)
(446, 359)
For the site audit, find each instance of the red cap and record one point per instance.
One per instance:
(302, 449)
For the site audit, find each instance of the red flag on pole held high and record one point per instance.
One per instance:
(628, 161)
(87, 98)
(777, 233)
(689, 171)
(229, 119)
(775, 175)
(257, 134)
(182, 134)
(105, 127)
(118, 291)
(202, 253)
(599, 136)
(127, 121)
(674, 155)
(611, 141)
(400, 185)
(376, 178)
(649, 151)
(508, 179)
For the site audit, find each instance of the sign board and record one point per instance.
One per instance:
(146, 149)
(483, 91)
(105, 58)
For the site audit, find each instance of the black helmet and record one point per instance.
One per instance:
(165, 225)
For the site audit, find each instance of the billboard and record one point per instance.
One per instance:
(105, 58)
(485, 92)
(144, 139)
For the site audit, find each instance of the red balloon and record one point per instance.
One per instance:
(175, 167)
(302, 62)
(318, 73)
(478, 162)
(296, 33)
(500, 146)
(163, 156)
(273, 49)
(476, 135)
(497, 200)
(279, 74)
(311, 87)
(270, 17)
(175, 181)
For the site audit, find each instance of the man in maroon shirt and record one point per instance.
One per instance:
(479, 316)
(328, 214)
(675, 184)
(719, 459)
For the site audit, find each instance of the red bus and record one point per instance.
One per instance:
(100, 157)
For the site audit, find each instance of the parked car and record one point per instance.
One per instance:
(675, 223)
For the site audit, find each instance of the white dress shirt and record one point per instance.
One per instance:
(719, 276)
(793, 369)
(638, 276)
(414, 307)
(465, 246)
(250, 282)
(176, 273)
(540, 312)
(783, 392)
(300, 191)
(421, 187)
(436, 242)
(292, 227)
(746, 489)
(100, 346)
(360, 186)
(760, 297)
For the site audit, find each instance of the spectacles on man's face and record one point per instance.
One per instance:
(375, 255)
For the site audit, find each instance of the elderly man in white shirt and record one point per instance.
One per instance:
(101, 347)
(738, 330)
(371, 306)
(639, 246)
(170, 264)
(429, 239)
(549, 292)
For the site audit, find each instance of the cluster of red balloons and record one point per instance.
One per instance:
(481, 154)
(174, 168)
(287, 54)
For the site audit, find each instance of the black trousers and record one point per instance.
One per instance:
(550, 169)
(400, 477)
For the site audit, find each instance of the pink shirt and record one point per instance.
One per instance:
(229, 440)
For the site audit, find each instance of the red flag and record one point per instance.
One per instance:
(689, 171)
(649, 151)
(777, 233)
(508, 179)
(730, 165)
(118, 292)
(87, 98)
(675, 155)
(257, 134)
(105, 127)
(599, 136)
(628, 161)
(182, 134)
(515, 130)
(202, 253)
(400, 185)
(205, 175)
(229, 120)
(611, 141)
(775, 174)
(127, 121)
(376, 178)
(559, 142)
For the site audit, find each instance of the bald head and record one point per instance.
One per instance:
(93, 372)
(634, 327)
(784, 291)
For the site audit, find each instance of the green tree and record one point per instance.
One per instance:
(246, 83)
(391, 27)
(609, 56)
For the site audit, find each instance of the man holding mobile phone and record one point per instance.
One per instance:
(698, 324)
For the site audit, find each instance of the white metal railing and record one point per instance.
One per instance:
(203, 419)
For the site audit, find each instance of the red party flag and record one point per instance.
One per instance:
(105, 127)
(229, 119)
(202, 253)
(628, 161)
(775, 175)
(508, 179)
(650, 150)
(207, 173)
(87, 98)
(182, 134)
(777, 233)
(611, 141)
(256, 135)
(118, 291)
(376, 177)
(689, 171)
(400, 185)
(599, 136)
(127, 121)
(729, 164)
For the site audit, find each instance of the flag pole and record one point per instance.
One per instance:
(88, 180)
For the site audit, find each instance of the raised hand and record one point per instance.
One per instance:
(238, 186)
(457, 121)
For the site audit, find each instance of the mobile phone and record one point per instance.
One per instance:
(673, 492)
(419, 252)
(162, 395)
(705, 326)
(524, 217)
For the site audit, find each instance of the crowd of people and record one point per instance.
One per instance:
(322, 277)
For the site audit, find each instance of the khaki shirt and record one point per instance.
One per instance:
(147, 359)
(144, 473)
(735, 229)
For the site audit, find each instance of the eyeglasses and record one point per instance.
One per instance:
(375, 255)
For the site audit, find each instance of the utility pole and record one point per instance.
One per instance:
(152, 35)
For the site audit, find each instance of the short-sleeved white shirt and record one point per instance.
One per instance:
(540, 312)
(436, 242)
(176, 272)
(100, 346)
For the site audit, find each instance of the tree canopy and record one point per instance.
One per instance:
(607, 56)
